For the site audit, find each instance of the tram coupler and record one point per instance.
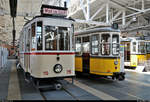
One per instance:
(119, 75)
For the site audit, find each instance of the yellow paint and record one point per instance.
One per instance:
(133, 60)
(103, 66)
(78, 64)
(148, 56)
(136, 59)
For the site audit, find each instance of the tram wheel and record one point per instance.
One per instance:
(58, 86)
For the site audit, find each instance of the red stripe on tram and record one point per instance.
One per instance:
(50, 53)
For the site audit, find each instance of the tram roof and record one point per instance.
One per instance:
(94, 30)
(58, 17)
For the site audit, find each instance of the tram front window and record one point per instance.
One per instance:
(141, 47)
(105, 42)
(115, 44)
(64, 38)
(50, 38)
(94, 45)
(78, 45)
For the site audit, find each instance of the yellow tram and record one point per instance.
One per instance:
(98, 52)
(148, 49)
(134, 51)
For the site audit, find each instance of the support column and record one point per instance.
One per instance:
(107, 12)
(88, 10)
(123, 18)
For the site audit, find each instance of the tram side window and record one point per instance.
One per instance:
(134, 47)
(29, 38)
(148, 47)
(33, 37)
(64, 38)
(86, 44)
(115, 44)
(78, 45)
(39, 35)
(94, 44)
(50, 38)
(141, 47)
(105, 44)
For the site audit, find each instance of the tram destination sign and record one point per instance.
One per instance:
(53, 10)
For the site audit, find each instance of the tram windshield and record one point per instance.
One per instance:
(105, 42)
(115, 44)
(94, 45)
(148, 47)
(141, 47)
(86, 44)
(57, 38)
(50, 38)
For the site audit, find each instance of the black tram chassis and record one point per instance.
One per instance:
(119, 75)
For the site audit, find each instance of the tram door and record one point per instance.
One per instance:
(126, 51)
(86, 54)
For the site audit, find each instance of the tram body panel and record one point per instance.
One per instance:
(104, 66)
(148, 56)
(42, 66)
(78, 63)
(137, 59)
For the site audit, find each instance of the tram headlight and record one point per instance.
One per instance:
(115, 62)
(58, 68)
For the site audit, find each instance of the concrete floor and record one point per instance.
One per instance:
(136, 86)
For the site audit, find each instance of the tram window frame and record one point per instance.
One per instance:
(148, 46)
(80, 42)
(65, 46)
(95, 44)
(84, 42)
(117, 43)
(108, 42)
(39, 33)
(139, 48)
(33, 36)
(28, 45)
(134, 47)
(52, 43)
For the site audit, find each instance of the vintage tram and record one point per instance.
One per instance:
(45, 45)
(134, 51)
(98, 52)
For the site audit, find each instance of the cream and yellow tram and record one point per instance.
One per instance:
(134, 51)
(45, 46)
(98, 52)
(148, 49)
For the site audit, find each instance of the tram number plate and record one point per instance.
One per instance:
(68, 71)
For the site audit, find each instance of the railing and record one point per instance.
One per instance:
(3, 56)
